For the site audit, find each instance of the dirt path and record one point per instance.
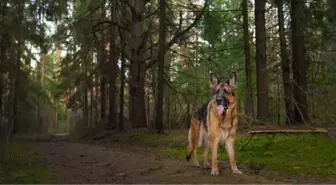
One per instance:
(84, 163)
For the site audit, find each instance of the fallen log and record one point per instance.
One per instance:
(288, 131)
(283, 131)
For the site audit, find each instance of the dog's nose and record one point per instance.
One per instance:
(220, 101)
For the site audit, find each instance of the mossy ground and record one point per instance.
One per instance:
(294, 154)
(21, 167)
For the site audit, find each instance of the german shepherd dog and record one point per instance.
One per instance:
(216, 123)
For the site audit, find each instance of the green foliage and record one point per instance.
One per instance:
(222, 28)
(22, 167)
(221, 53)
(26, 29)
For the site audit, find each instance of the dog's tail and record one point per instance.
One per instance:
(193, 137)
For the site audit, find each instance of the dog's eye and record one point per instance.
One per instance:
(226, 92)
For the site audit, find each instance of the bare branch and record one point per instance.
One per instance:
(146, 35)
(196, 21)
(179, 33)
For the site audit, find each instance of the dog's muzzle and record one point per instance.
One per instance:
(222, 104)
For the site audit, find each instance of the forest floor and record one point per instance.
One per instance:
(119, 158)
(83, 163)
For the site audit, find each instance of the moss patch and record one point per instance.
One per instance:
(22, 167)
(308, 154)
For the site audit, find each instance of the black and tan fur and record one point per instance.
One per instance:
(210, 129)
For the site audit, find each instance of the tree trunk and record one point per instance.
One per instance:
(102, 60)
(138, 67)
(248, 65)
(56, 115)
(113, 57)
(102, 92)
(17, 78)
(160, 96)
(261, 61)
(96, 99)
(91, 101)
(299, 64)
(58, 74)
(285, 66)
(188, 114)
(122, 88)
(137, 95)
(2, 62)
(168, 108)
(154, 94)
(148, 108)
(16, 87)
(91, 85)
(40, 100)
(278, 99)
(13, 119)
(85, 95)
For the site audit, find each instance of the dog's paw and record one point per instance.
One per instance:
(237, 172)
(196, 165)
(214, 173)
(207, 166)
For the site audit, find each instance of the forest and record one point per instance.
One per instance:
(84, 79)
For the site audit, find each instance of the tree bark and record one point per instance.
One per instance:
(154, 94)
(102, 90)
(261, 61)
(16, 88)
(138, 67)
(16, 82)
(102, 62)
(57, 78)
(85, 94)
(41, 82)
(17, 78)
(96, 99)
(122, 87)
(137, 95)
(91, 76)
(2, 62)
(113, 57)
(285, 66)
(160, 96)
(299, 64)
(248, 66)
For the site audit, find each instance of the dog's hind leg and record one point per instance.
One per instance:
(206, 146)
(189, 151)
(195, 161)
(193, 141)
(205, 156)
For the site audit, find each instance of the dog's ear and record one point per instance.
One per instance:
(233, 80)
(214, 80)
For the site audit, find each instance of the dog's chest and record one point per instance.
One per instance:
(223, 135)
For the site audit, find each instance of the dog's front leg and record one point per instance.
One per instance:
(214, 148)
(231, 151)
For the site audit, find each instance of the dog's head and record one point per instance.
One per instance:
(223, 92)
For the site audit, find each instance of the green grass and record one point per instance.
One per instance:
(307, 154)
(22, 167)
